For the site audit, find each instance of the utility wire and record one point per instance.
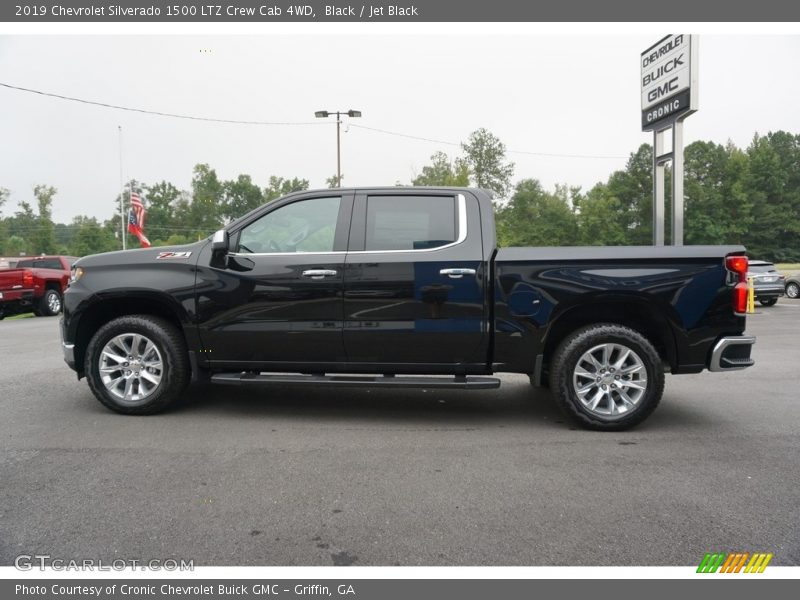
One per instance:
(155, 112)
(448, 143)
(241, 122)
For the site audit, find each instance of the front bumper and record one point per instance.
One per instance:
(67, 348)
(732, 353)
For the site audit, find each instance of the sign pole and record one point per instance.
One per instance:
(658, 188)
(669, 94)
(677, 183)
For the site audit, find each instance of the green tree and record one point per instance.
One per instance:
(178, 239)
(43, 238)
(278, 186)
(633, 189)
(241, 196)
(443, 172)
(333, 182)
(90, 237)
(204, 215)
(718, 211)
(3, 222)
(600, 218)
(534, 217)
(15, 246)
(485, 156)
(23, 225)
(161, 201)
(773, 185)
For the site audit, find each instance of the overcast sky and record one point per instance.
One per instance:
(539, 94)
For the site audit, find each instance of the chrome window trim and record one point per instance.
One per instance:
(246, 254)
(462, 235)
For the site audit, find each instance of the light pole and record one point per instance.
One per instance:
(322, 114)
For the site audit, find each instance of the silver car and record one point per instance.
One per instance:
(793, 286)
(767, 282)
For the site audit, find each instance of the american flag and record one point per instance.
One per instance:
(136, 216)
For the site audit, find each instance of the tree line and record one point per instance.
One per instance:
(745, 196)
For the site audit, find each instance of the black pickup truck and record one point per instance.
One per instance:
(402, 287)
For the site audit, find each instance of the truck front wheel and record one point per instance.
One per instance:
(607, 377)
(137, 365)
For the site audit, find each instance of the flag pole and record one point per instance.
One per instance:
(121, 193)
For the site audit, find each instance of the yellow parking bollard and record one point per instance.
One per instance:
(751, 296)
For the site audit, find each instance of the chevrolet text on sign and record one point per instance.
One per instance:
(668, 74)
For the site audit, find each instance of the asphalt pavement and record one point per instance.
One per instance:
(292, 476)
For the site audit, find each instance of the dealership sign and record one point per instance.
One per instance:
(669, 80)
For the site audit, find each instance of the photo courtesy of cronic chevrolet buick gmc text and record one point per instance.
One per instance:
(389, 286)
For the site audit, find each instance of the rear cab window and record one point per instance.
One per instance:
(40, 263)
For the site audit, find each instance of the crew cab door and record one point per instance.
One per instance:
(276, 300)
(414, 287)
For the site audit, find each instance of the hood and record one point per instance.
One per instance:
(142, 255)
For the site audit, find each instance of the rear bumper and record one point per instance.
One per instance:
(732, 353)
(769, 290)
(13, 302)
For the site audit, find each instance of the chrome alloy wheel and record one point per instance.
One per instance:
(131, 367)
(793, 290)
(610, 380)
(54, 303)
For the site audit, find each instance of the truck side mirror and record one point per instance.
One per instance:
(220, 243)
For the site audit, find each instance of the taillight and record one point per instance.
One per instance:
(738, 265)
(740, 292)
(27, 279)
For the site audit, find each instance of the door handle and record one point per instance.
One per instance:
(457, 273)
(319, 273)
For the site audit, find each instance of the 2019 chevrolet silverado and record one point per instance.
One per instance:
(402, 287)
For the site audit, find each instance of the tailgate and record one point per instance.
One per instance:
(11, 279)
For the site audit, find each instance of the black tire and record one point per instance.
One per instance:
(768, 301)
(174, 373)
(50, 304)
(793, 290)
(570, 353)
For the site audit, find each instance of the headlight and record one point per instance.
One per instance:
(75, 274)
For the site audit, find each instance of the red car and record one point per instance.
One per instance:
(35, 284)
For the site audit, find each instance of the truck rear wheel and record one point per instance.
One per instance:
(137, 365)
(50, 304)
(607, 377)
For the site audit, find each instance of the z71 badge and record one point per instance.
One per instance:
(164, 255)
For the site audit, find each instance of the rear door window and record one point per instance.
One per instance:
(410, 222)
